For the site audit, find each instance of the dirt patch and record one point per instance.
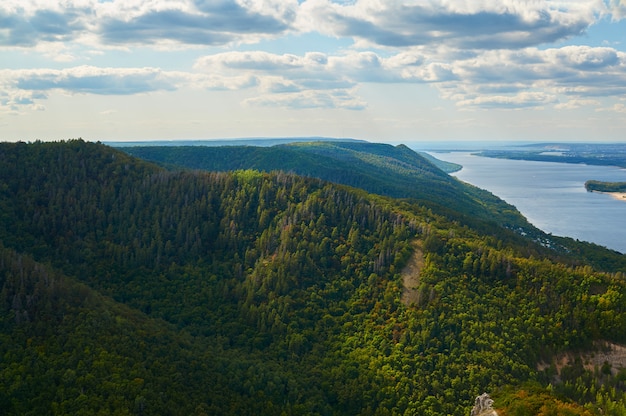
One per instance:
(614, 354)
(604, 352)
(411, 275)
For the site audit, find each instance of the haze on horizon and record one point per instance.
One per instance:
(116, 70)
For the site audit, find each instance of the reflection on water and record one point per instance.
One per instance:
(552, 196)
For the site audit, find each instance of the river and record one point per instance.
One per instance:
(552, 196)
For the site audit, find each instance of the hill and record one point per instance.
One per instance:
(247, 141)
(129, 289)
(394, 171)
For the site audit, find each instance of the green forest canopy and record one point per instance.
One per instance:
(599, 186)
(129, 289)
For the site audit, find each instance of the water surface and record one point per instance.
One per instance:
(552, 196)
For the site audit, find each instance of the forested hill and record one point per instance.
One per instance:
(129, 289)
(383, 169)
(395, 171)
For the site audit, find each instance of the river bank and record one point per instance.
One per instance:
(552, 196)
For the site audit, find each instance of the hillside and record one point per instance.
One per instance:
(129, 289)
(394, 171)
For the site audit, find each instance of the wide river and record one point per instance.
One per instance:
(552, 196)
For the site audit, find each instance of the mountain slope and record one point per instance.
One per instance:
(68, 350)
(128, 289)
(395, 171)
(383, 169)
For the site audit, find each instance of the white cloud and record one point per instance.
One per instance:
(27, 23)
(618, 9)
(502, 76)
(31, 22)
(15, 101)
(577, 103)
(615, 108)
(515, 101)
(93, 80)
(464, 24)
(287, 80)
(477, 53)
(324, 71)
(479, 24)
(619, 108)
(26, 88)
(309, 80)
(334, 99)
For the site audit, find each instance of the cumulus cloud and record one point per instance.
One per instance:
(310, 80)
(529, 77)
(93, 80)
(26, 88)
(15, 101)
(208, 23)
(315, 68)
(566, 77)
(577, 103)
(515, 101)
(480, 24)
(618, 9)
(505, 78)
(27, 23)
(479, 53)
(287, 80)
(334, 99)
(619, 108)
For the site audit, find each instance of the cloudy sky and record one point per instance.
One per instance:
(379, 70)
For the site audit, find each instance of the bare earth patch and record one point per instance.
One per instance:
(606, 352)
(411, 274)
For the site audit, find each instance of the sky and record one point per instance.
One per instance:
(378, 70)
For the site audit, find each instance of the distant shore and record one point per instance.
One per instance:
(617, 190)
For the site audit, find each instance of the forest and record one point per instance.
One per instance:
(394, 171)
(130, 288)
(383, 169)
(599, 186)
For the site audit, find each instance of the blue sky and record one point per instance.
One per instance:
(385, 71)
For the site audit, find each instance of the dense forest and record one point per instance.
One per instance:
(394, 171)
(126, 288)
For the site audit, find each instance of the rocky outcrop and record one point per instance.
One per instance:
(483, 406)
